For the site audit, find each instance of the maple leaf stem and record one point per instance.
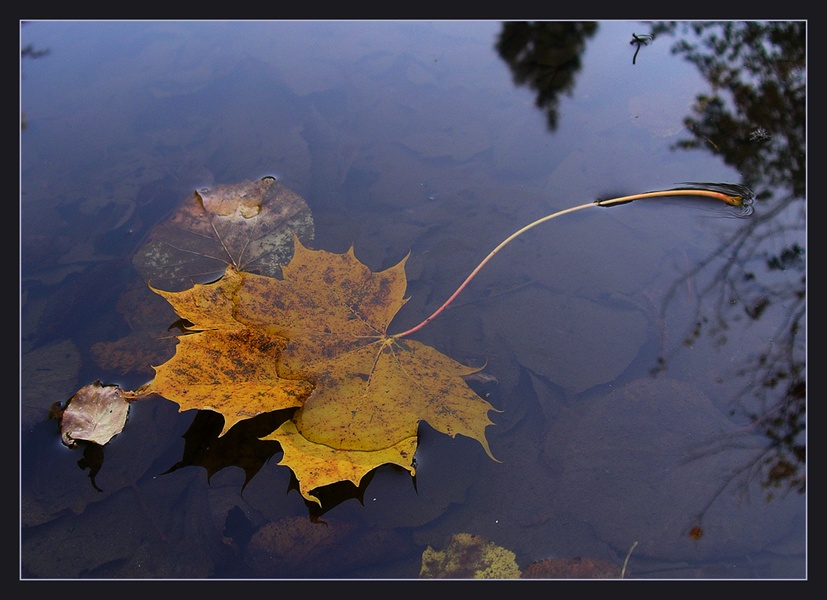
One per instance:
(731, 199)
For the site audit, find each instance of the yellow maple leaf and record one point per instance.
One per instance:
(371, 397)
(208, 306)
(220, 364)
(317, 465)
(326, 304)
(231, 372)
(371, 389)
(316, 339)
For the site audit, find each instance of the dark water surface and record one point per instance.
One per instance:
(649, 360)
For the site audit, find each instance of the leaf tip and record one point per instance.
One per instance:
(490, 454)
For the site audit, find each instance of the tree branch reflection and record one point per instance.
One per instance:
(755, 120)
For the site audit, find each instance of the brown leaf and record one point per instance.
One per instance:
(572, 568)
(96, 413)
(149, 342)
(249, 225)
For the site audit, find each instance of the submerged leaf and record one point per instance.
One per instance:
(469, 556)
(249, 225)
(572, 568)
(148, 342)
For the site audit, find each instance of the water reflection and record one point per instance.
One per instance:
(545, 56)
(29, 51)
(369, 144)
(756, 122)
(753, 120)
(638, 41)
